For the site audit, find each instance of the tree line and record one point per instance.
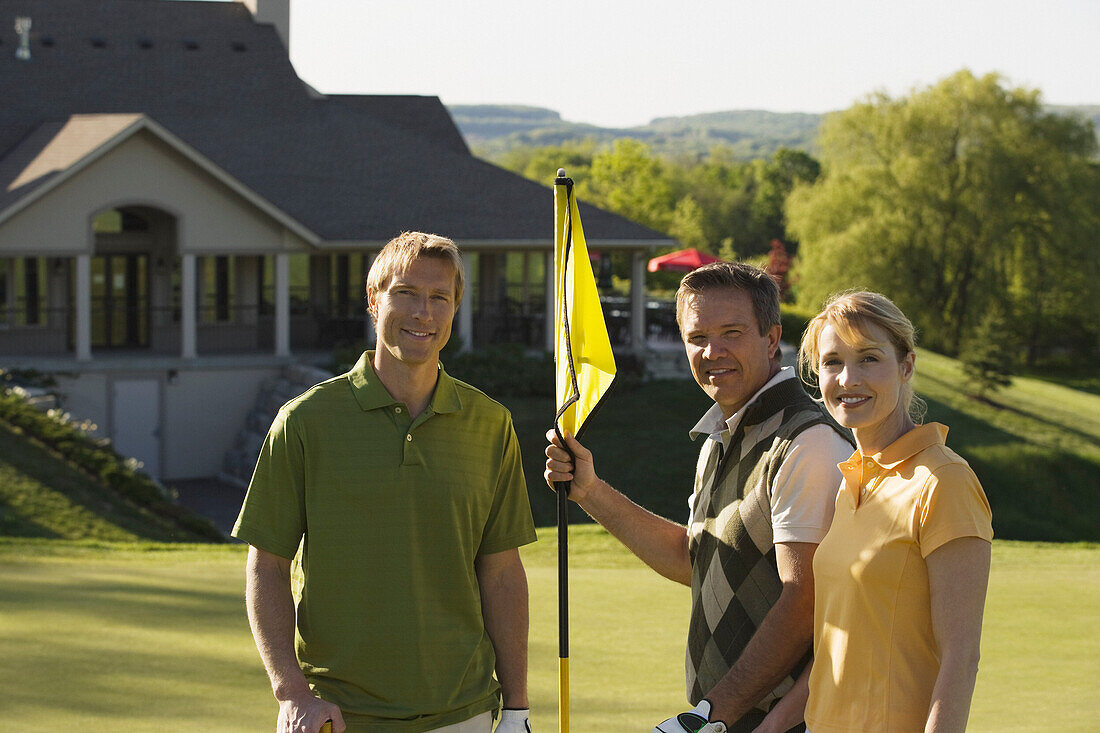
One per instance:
(968, 203)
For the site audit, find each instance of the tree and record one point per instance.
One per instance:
(779, 264)
(686, 224)
(629, 181)
(542, 164)
(989, 355)
(950, 199)
(775, 179)
(705, 202)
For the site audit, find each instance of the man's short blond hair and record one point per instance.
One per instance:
(401, 251)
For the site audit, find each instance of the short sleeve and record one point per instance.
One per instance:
(273, 515)
(953, 505)
(509, 524)
(806, 484)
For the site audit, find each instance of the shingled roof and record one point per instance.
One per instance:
(351, 168)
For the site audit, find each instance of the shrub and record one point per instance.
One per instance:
(505, 370)
(98, 459)
(501, 370)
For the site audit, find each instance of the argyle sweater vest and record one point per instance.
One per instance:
(734, 578)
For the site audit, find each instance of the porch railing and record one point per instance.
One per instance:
(251, 329)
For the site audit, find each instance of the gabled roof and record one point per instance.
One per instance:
(58, 150)
(347, 167)
(51, 149)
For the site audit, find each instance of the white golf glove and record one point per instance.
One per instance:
(514, 721)
(696, 720)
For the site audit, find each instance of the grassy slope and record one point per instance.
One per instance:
(153, 637)
(639, 438)
(43, 496)
(1038, 458)
(1038, 455)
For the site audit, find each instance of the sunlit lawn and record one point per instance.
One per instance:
(114, 638)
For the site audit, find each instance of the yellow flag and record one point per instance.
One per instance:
(582, 349)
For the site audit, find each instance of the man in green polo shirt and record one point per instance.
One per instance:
(403, 487)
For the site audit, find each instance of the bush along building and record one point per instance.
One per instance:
(182, 218)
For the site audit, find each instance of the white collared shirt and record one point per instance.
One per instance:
(805, 486)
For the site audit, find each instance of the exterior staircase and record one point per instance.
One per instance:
(293, 381)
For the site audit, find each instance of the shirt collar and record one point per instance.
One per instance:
(371, 394)
(715, 425)
(893, 455)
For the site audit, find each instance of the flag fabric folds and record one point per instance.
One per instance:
(582, 350)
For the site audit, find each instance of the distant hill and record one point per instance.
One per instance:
(491, 130)
(494, 129)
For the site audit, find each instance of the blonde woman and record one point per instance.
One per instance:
(901, 576)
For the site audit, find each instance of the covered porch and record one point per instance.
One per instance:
(136, 294)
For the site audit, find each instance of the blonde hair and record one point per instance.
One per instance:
(400, 252)
(852, 314)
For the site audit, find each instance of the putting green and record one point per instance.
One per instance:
(115, 637)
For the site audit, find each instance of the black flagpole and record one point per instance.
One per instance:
(562, 487)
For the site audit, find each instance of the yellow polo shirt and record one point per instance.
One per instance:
(875, 657)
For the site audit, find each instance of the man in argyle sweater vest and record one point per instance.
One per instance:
(764, 489)
(735, 580)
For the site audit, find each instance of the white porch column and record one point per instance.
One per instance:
(551, 285)
(282, 304)
(637, 301)
(466, 312)
(188, 303)
(83, 335)
(57, 286)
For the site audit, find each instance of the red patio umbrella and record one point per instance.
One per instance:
(684, 260)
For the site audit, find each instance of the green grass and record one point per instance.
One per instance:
(1037, 451)
(56, 482)
(639, 439)
(1077, 376)
(106, 637)
(43, 496)
(1040, 647)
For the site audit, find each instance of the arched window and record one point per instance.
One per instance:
(117, 221)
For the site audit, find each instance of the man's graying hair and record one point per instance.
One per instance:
(733, 276)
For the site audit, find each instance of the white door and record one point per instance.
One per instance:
(136, 411)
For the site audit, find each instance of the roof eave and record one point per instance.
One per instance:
(142, 122)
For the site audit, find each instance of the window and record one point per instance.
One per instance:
(117, 221)
(217, 289)
(348, 284)
(22, 291)
(298, 264)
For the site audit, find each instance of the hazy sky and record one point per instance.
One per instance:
(624, 63)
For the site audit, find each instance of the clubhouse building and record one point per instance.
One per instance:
(183, 219)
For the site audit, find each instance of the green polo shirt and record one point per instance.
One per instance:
(390, 513)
